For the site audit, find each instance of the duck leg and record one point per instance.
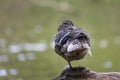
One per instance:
(70, 65)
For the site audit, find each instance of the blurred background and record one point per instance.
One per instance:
(27, 28)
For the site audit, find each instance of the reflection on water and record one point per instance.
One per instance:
(3, 58)
(3, 72)
(62, 5)
(19, 79)
(108, 64)
(117, 40)
(103, 43)
(22, 51)
(13, 71)
(3, 44)
(21, 57)
(8, 31)
(14, 48)
(30, 56)
(38, 29)
(39, 47)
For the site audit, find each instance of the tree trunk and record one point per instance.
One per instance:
(82, 73)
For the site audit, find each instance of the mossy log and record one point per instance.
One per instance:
(82, 73)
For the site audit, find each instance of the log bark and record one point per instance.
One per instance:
(82, 73)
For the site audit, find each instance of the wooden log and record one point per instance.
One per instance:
(82, 73)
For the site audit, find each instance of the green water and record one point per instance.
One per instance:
(27, 25)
